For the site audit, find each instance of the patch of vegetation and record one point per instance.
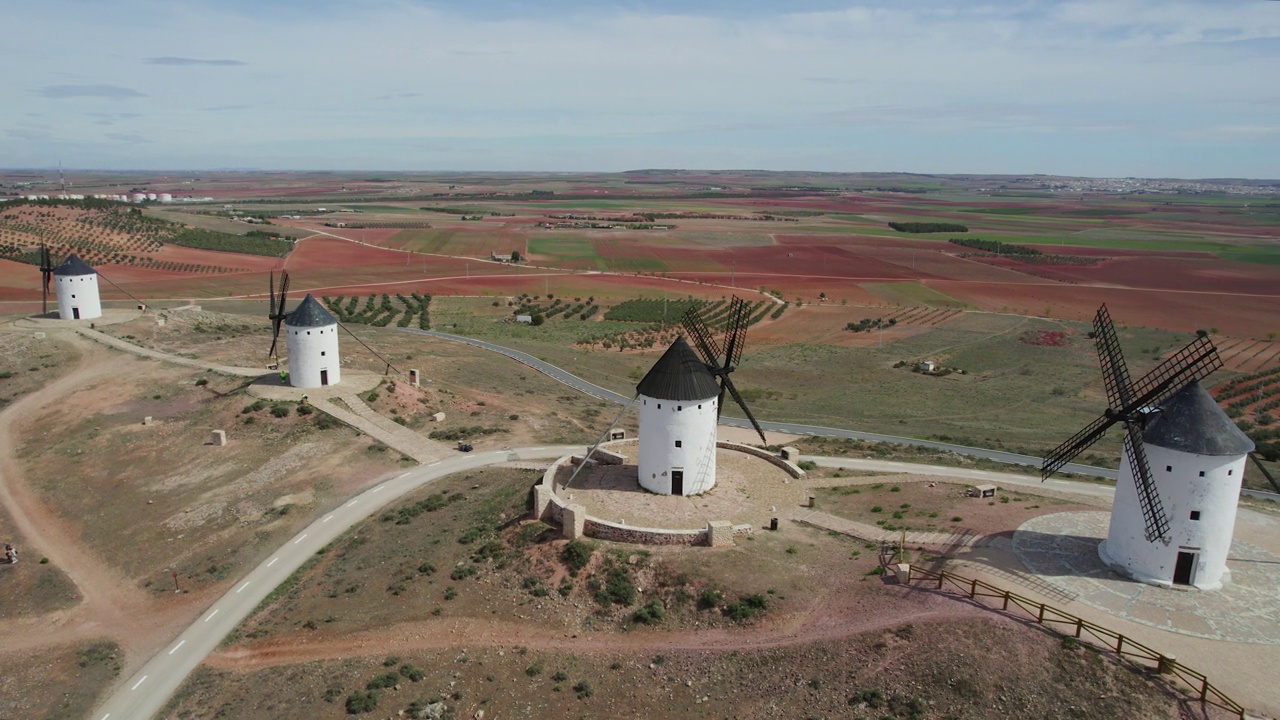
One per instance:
(464, 432)
(928, 227)
(747, 607)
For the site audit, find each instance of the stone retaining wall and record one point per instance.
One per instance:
(789, 468)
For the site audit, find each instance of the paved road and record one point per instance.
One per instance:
(789, 428)
(142, 695)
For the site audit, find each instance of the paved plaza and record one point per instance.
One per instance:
(1062, 548)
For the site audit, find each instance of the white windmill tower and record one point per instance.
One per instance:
(1179, 483)
(311, 338)
(76, 285)
(680, 404)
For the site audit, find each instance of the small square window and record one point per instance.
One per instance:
(699, 407)
(1201, 473)
(1168, 468)
(73, 296)
(678, 444)
(679, 408)
(659, 406)
(1195, 514)
(1231, 472)
(322, 353)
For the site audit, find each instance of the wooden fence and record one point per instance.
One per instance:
(1065, 624)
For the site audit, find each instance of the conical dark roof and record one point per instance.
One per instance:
(309, 313)
(74, 266)
(679, 375)
(1191, 422)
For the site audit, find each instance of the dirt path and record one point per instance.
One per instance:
(112, 604)
(816, 622)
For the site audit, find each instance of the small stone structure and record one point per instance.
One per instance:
(218, 438)
(574, 521)
(790, 453)
(719, 533)
(618, 434)
(437, 417)
(982, 491)
(413, 378)
(146, 420)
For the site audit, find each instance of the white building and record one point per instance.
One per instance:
(311, 338)
(76, 285)
(678, 414)
(1197, 458)
(164, 197)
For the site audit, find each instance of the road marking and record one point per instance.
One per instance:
(379, 488)
(104, 717)
(215, 612)
(401, 475)
(245, 585)
(327, 519)
(304, 537)
(175, 647)
(273, 561)
(135, 685)
(434, 464)
(353, 502)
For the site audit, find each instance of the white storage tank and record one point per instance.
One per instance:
(151, 196)
(164, 197)
(1197, 457)
(311, 338)
(139, 197)
(76, 285)
(678, 413)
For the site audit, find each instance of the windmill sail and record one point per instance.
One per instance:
(734, 341)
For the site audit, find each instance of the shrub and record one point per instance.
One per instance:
(427, 568)
(871, 697)
(747, 607)
(385, 680)
(583, 688)
(305, 409)
(560, 676)
(361, 702)
(651, 613)
(255, 407)
(709, 599)
(202, 382)
(413, 673)
(577, 554)
(462, 572)
(280, 410)
(533, 670)
(807, 465)
(619, 587)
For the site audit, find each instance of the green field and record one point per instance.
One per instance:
(913, 293)
(575, 250)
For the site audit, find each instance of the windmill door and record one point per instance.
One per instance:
(75, 313)
(677, 482)
(1182, 570)
(324, 377)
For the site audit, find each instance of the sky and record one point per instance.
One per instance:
(1102, 88)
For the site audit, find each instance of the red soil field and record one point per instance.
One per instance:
(1199, 274)
(1243, 316)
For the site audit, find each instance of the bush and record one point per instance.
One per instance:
(280, 410)
(305, 409)
(202, 382)
(807, 465)
(583, 688)
(533, 670)
(747, 607)
(651, 613)
(255, 407)
(710, 599)
(619, 587)
(577, 554)
(413, 673)
(385, 680)
(871, 697)
(361, 702)
(462, 572)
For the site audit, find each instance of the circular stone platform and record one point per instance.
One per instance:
(748, 490)
(270, 387)
(51, 321)
(1062, 548)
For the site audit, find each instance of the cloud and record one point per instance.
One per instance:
(132, 138)
(1232, 132)
(399, 96)
(225, 108)
(184, 61)
(111, 92)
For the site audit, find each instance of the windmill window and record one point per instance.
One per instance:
(678, 444)
(1168, 468)
(308, 332)
(699, 407)
(322, 353)
(1201, 473)
(659, 406)
(73, 296)
(1231, 472)
(1195, 514)
(679, 408)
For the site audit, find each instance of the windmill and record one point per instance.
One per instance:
(277, 314)
(735, 331)
(46, 270)
(1174, 526)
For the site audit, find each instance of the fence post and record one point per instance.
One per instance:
(1040, 617)
(1120, 645)
(973, 589)
(1164, 665)
(942, 574)
(1079, 626)
(1006, 600)
(1204, 688)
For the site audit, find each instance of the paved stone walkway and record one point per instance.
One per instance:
(129, 347)
(351, 410)
(1062, 548)
(876, 534)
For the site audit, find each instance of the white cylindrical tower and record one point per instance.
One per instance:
(1197, 458)
(165, 197)
(76, 285)
(678, 413)
(311, 338)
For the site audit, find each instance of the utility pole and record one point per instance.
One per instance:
(733, 275)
